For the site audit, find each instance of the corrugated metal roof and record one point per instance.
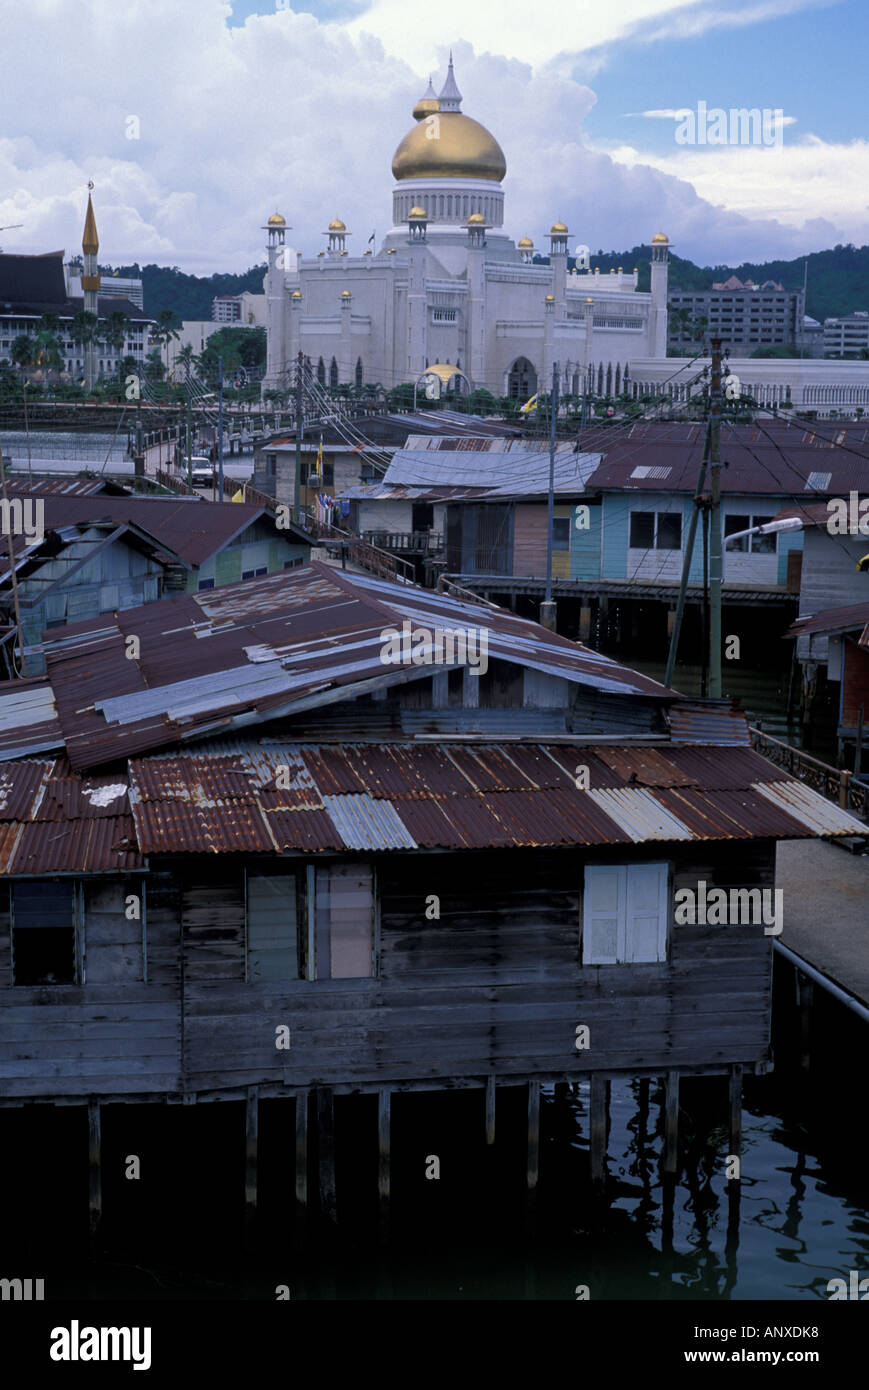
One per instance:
(28, 718)
(52, 821)
(520, 471)
(758, 467)
(708, 721)
(452, 796)
(844, 619)
(271, 646)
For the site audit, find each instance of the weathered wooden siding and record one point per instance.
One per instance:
(494, 985)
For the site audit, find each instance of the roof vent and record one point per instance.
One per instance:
(643, 470)
(818, 482)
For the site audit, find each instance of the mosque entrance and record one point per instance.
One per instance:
(521, 380)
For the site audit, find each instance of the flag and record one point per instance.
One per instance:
(239, 496)
(371, 238)
(527, 408)
(320, 458)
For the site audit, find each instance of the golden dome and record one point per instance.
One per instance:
(558, 229)
(417, 212)
(276, 220)
(336, 225)
(443, 370)
(345, 294)
(589, 299)
(659, 238)
(297, 294)
(525, 243)
(464, 149)
(550, 299)
(476, 219)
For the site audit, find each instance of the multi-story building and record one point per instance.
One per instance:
(847, 336)
(111, 286)
(744, 315)
(245, 308)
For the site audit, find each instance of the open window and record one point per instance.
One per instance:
(625, 914)
(275, 926)
(43, 932)
(315, 922)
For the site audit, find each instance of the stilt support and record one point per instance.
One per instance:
(490, 1109)
(597, 1129)
(533, 1135)
(671, 1121)
(326, 1142)
(384, 1174)
(301, 1166)
(95, 1172)
(251, 1146)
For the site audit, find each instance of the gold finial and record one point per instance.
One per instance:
(90, 242)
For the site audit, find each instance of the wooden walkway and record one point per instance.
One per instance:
(826, 910)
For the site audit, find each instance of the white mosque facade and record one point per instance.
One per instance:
(448, 288)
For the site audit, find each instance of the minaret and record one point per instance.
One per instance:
(275, 288)
(450, 98)
(90, 283)
(658, 315)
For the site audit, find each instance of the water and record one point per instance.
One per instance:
(57, 451)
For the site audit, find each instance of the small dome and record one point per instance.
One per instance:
(297, 294)
(276, 220)
(589, 299)
(367, 253)
(476, 219)
(550, 299)
(558, 229)
(336, 225)
(525, 243)
(659, 239)
(417, 212)
(426, 106)
(345, 294)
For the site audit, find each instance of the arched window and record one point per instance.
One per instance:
(333, 374)
(449, 205)
(358, 373)
(521, 380)
(321, 372)
(600, 380)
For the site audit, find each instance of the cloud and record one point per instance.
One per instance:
(285, 112)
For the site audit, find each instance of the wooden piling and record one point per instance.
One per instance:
(384, 1116)
(671, 1121)
(95, 1174)
(490, 1109)
(251, 1146)
(301, 1166)
(806, 998)
(533, 1135)
(326, 1146)
(734, 1186)
(597, 1129)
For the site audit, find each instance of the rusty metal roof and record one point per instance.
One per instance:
(28, 718)
(844, 619)
(306, 797)
(786, 468)
(225, 658)
(53, 821)
(708, 721)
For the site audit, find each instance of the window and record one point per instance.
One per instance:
(422, 516)
(758, 545)
(271, 464)
(561, 533)
(206, 584)
(43, 933)
(625, 914)
(314, 923)
(291, 564)
(254, 574)
(656, 531)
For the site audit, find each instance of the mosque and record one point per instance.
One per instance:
(448, 295)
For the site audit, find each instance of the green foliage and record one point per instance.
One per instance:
(188, 296)
(776, 350)
(239, 347)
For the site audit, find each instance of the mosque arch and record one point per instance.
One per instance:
(521, 380)
(333, 374)
(358, 373)
(321, 372)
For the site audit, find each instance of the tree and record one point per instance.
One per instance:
(115, 330)
(46, 351)
(154, 366)
(21, 352)
(165, 330)
(85, 329)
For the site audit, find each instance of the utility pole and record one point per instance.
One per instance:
(297, 485)
(189, 436)
(547, 608)
(715, 562)
(12, 568)
(220, 428)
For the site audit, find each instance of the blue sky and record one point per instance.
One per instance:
(244, 108)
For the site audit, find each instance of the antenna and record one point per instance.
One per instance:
(10, 226)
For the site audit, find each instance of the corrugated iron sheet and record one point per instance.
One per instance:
(453, 796)
(52, 821)
(708, 721)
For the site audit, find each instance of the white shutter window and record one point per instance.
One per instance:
(646, 913)
(625, 913)
(603, 914)
(272, 949)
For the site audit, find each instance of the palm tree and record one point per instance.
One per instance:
(21, 353)
(166, 330)
(47, 353)
(115, 330)
(84, 330)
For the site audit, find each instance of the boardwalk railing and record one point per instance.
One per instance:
(405, 540)
(361, 552)
(836, 784)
